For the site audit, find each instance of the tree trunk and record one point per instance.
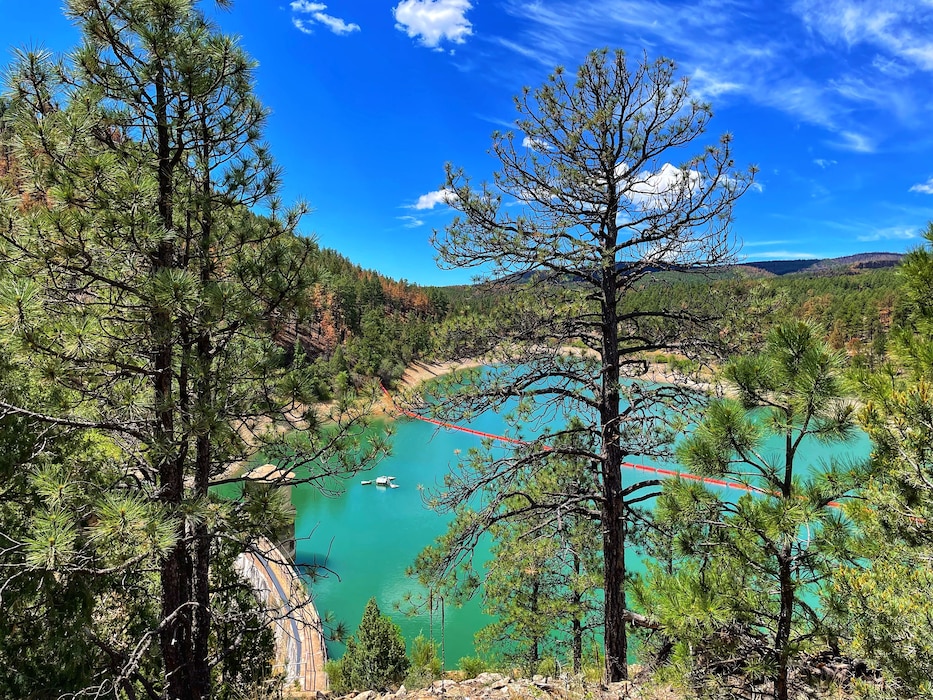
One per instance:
(534, 653)
(612, 516)
(785, 581)
(576, 638)
(782, 637)
(175, 635)
(201, 623)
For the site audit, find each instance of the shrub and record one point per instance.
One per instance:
(472, 666)
(336, 676)
(425, 665)
(547, 667)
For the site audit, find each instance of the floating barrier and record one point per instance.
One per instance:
(629, 465)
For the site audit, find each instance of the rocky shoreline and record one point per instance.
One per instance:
(496, 686)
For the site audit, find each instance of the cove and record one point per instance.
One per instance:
(368, 535)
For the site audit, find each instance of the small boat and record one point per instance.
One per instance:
(393, 486)
(382, 481)
(366, 482)
(390, 478)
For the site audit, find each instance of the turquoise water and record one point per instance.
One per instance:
(370, 535)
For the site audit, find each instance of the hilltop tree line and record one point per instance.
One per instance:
(163, 323)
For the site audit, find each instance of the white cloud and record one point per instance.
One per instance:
(824, 162)
(316, 15)
(411, 221)
(301, 26)
(892, 233)
(658, 190)
(336, 25)
(535, 144)
(434, 21)
(924, 187)
(432, 199)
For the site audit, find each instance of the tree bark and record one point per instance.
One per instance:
(612, 517)
(785, 582)
(175, 635)
(782, 637)
(204, 362)
(576, 639)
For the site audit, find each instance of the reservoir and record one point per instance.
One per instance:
(368, 536)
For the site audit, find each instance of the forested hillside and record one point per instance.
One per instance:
(854, 309)
(355, 324)
(360, 324)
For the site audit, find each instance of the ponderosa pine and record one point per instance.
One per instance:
(150, 267)
(595, 193)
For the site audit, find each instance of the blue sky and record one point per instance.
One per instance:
(831, 99)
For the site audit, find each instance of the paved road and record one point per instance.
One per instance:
(299, 635)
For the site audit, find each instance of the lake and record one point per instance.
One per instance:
(370, 535)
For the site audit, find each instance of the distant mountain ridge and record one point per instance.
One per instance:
(851, 263)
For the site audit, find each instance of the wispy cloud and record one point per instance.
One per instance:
(923, 187)
(760, 244)
(782, 254)
(503, 123)
(708, 86)
(902, 30)
(891, 233)
(306, 15)
(741, 56)
(411, 221)
(851, 141)
(825, 162)
(434, 21)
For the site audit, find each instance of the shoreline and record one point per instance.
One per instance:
(419, 372)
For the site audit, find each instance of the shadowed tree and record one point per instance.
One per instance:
(144, 285)
(885, 606)
(596, 194)
(375, 657)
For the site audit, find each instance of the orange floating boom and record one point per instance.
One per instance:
(630, 465)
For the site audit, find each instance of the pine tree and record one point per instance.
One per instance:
(541, 579)
(586, 205)
(884, 605)
(742, 575)
(144, 286)
(375, 656)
